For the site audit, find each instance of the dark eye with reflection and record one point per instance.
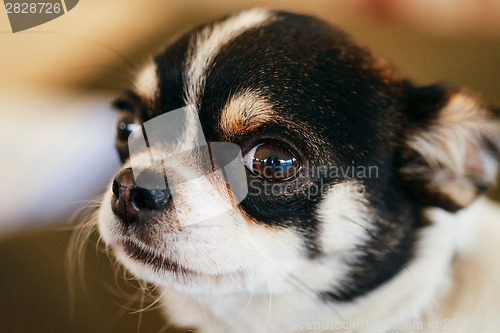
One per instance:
(272, 162)
(126, 124)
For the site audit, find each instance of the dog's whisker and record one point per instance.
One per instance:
(141, 313)
(107, 47)
(165, 327)
(148, 291)
(100, 68)
(269, 305)
(126, 307)
(295, 281)
(156, 304)
(75, 257)
(241, 313)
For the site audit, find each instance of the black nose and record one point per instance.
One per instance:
(130, 200)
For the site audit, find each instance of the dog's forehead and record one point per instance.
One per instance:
(177, 76)
(259, 66)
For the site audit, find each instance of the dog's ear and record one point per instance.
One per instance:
(451, 148)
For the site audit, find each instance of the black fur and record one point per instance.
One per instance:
(338, 106)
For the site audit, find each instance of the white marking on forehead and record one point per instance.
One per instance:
(146, 83)
(203, 49)
(206, 44)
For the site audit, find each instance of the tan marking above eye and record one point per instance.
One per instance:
(245, 112)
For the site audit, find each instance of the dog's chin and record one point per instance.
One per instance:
(154, 268)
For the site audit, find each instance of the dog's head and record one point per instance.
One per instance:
(333, 156)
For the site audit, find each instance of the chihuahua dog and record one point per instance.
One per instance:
(284, 179)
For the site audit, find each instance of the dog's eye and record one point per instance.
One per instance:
(126, 124)
(272, 162)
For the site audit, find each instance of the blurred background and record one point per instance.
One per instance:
(57, 130)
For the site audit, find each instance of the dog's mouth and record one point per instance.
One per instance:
(161, 263)
(147, 257)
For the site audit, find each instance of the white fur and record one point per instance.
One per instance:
(344, 217)
(233, 251)
(246, 277)
(264, 269)
(205, 46)
(412, 298)
(207, 43)
(453, 147)
(146, 83)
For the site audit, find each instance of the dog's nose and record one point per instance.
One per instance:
(130, 199)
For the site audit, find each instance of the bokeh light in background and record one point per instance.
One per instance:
(56, 137)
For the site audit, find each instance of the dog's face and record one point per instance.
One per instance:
(340, 156)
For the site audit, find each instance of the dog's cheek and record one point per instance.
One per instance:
(344, 218)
